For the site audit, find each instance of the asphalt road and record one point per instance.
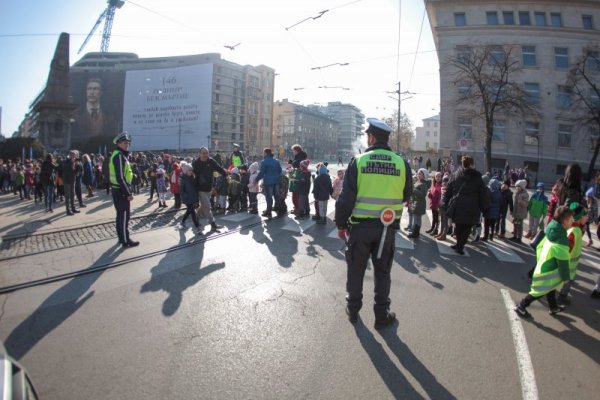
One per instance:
(259, 313)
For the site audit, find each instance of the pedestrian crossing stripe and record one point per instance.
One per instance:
(445, 249)
(503, 253)
(402, 242)
(238, 217)
(299, 226)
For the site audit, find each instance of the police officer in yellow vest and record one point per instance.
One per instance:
(375, 180)
(120, 175)
(237, 157)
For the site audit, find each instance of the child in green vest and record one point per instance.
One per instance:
(575, 236)
(552, 268)
(537, 207)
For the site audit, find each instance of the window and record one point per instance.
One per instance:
(561, 57)
(434, 133)
(529, 58)
(435, 124)
(593, 61)
(464, 89)
(588, 22)
(533, 92)
(465, 128)
(499, 131)
(524, 18)
(492, 18)
(460, 19)
(556, 20)
(540, 18)
(427, 133)
(532, 132)
(509, 17)
(563, 97)
(427, 145)
(496, 55)
(564, 135)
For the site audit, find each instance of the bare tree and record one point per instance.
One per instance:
(583, 82)
(405, 135)
(485, 79)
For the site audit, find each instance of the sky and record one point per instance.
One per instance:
(378, 39)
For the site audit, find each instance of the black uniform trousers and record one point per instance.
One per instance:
(122, 205)
(363, 243)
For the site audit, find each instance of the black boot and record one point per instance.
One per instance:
(415, 233)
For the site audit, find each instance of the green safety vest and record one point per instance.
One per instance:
(576, 251)
(381, 178)
(236, 160)
(546, 276)
(127, 173)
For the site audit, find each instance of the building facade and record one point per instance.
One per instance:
(316, 132)
(350, 120)
(547, 37)
(427, 137)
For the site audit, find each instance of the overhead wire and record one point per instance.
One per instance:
(399, 37)
(412, 71)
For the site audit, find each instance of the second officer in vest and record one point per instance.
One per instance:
(376, 180)
(120, 174)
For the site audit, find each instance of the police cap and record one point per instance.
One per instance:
(377, 126)
(121, 137)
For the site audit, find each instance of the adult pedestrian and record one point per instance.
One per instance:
(375, 181)
(47, 178)
(299, 156)
(468, 192)
(269, 173)
(121, 175)
(88, 175)
(237, 157)
(204, 167)
(69, 175)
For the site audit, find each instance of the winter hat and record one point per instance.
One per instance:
(243, 167)
(323, 170)
(235, 171)
(185, 167)
(541, 185)
(522, 183)
(425, 173)
(445, 179)
(578, 210)
(438, 175)
(304, 164)
(486, 179)
(495, 184)
(160, 171)
(589, 192)
(253, 167)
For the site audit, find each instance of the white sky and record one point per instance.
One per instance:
(363, 33)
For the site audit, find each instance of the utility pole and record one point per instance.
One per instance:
(399, 114)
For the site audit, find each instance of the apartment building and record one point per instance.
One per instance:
(547, 36)
(427, 137)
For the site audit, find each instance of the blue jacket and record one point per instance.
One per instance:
(493, 211)
(270, 171)
(187, 189)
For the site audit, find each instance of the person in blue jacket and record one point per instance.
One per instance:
(270, 171)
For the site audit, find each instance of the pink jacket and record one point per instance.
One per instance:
(435, 195)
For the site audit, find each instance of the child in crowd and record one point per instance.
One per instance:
(552, 267)
(189, 195)
(435, 196)
(20, 182)
(253, 188)
(29, 181)
(174, 178)
(506, 204)
(317, 216)
(135, 180)
(222, 189)
(555, 198)
(409, 228)
(39, 189)
(575, 236)
(234, 190)
(418, 202)
(244, 180)
(592, 206)
(521, 202)
(152, 179)
(537, 208)
(322, 189)
(443, 216)
(338, 183)
(492, 214)
(161, 186)
(303, 186)
(280, 206)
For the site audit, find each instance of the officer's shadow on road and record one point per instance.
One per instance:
(177, 271)
(396, 382)
(57, 308)
(282, 244)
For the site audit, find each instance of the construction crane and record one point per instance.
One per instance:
(108, 15)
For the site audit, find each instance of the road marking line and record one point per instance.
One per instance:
(504, 253)
(526, 374)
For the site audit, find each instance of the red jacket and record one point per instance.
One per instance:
(435, 195)
(174, 180)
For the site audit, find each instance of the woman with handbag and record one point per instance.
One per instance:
(464, 201)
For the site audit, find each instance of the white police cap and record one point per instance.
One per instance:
(378, 126)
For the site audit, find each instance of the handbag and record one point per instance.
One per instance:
(451, 208)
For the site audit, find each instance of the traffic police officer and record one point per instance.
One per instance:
(120, 174)
(375, 180)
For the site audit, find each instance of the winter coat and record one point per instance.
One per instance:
(252, 182)
(418, 204)
(295, 177)
(301, 156)
(175, 180)
(337, 184)
(521, 202)
(472, 197)
(203, 170)
(322, 187)
(244, 180)
(48, 173)
(507, 201)
(19, 179)
(221, 185)
(161, 185)
(68, 172)
(88, 174)
(493, 211)
(270, 170)
(538, 205)
(303, 183)
(435, 195)
(187, 189)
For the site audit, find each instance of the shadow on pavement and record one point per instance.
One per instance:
(177, 271)
(56, 309)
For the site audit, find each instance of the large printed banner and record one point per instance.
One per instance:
(168, 108)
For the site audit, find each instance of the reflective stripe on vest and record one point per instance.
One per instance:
(576, 250)
(126, 170)
(381, 175)
(544, 282)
